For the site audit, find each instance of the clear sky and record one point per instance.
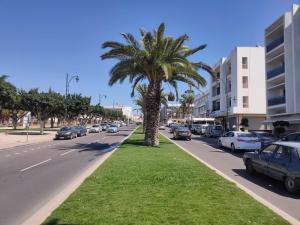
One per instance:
(42, 40)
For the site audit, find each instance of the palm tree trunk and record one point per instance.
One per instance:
(152, 114)
(144, 120)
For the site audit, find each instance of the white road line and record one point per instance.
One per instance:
(17, 153)
(31, 149)
(7, 155)
(68, 152)
(27, 168)
(25, 151)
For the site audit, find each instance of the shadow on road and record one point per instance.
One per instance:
(266, 182)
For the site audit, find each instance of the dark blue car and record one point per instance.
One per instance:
(280, 160)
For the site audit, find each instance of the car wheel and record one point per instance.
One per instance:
(233, 148)
(291, 185)
(220, 144)
(249, 167)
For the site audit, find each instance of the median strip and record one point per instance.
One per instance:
(27, 168)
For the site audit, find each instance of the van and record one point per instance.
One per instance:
(214, 131)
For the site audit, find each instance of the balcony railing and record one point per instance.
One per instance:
(276, 100)
(275, 72)
(275, 43)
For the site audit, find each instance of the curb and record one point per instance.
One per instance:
(274, 208)
(45, 211)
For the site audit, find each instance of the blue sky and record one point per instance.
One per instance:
(40, 41)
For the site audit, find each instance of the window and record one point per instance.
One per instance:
(268, 151)
(244, 62)
(283, 153)
(245, 82)
(229, 102)
(291, 137)
(245, 102)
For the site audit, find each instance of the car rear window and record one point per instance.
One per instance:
(218, 127)
(183, 129)
(245, 135)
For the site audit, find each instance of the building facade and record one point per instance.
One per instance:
(201, 105)
(239, 90)
(126, 110)
(282, 56)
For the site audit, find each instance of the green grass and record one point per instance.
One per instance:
(164, 185)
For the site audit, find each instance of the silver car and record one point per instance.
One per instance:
(96, 128)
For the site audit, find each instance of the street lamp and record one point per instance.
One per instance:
(100, 97)
(68, 81)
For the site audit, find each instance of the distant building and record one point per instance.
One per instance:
(201, 105)
(239, 89)
(126, 110)
(282, 56)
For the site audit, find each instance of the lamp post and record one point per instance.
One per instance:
(100, 97)
(68, 81)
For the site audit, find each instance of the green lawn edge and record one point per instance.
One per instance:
(160, 185)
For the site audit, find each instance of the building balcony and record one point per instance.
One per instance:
(275, 44)
(275, 72)
(276, 100)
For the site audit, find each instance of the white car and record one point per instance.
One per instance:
(236, 140)
(112, 129)
(96, 128)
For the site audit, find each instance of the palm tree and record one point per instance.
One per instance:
(141, 100)
(186, 102)
(157, 59)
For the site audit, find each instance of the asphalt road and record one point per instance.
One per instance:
(32, 175)
(232, 165)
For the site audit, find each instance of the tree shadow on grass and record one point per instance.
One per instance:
(52, 222)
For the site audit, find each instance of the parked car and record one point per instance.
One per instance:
(236, 140)
(214, 131)
(201, 129)
(96, 128)
(280, 160)
(112, 129)
(173, 126)
(292, 137)
(81, 131)
(265, 138)
(104, 126)
(193, 128)
(66, 133)
(162, 127)
(182, 132)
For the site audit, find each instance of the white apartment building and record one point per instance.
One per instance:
(282, 56)
(201, 105)
(239, 90)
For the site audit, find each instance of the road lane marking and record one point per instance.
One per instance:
(8, 156)
(68, 152)
(31, 149)
(17, 153)
(25, 151)
(27, 168)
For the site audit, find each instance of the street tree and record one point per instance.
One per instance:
(158, 59)
(77, 106)
(186, 102)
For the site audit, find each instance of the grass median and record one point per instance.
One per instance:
(163, 185)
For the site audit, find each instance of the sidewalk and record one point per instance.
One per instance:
(13, 140)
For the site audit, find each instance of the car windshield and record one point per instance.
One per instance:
(103, 124)
(65, 129)
(245, 135)
(183, 129)
(267, 135)
(113, 125)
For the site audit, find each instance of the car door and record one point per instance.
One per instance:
(223, 139)
(260, 163)
(230, 139)
(279, 163)
(291, 137)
